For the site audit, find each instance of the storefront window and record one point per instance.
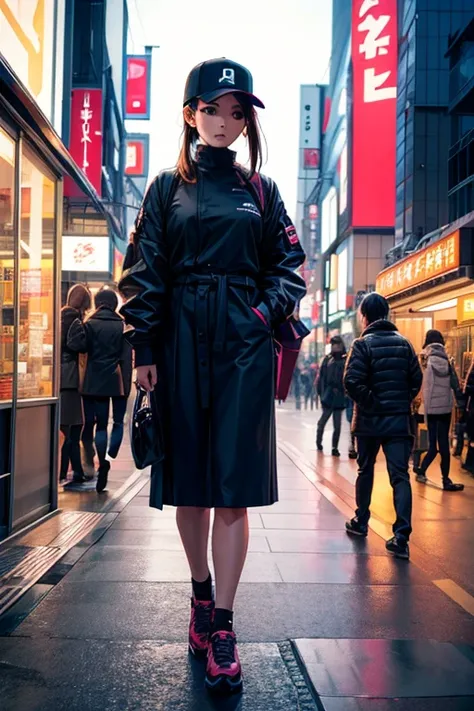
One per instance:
(7, 185)
(36, 319)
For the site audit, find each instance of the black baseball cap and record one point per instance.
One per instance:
(215, 77)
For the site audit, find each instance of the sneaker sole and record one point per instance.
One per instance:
(360, 534)
(224, 685)
(401, 556)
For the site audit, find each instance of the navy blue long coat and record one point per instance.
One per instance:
(206, 260)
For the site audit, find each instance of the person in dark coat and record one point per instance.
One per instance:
(331, 393)
(108, 376)
(217, 273)
(382, 377)
(468, 464)
(71, 416)
(440, 384)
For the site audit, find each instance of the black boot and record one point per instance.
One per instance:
(102, 477)
(449, 485)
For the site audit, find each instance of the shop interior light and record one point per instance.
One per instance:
(439, 307)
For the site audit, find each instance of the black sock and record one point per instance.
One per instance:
(223, 619)
(202, 591)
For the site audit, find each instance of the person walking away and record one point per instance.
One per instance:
(468, 464)
(297, 386)
(382, 377)
(331, 393)
(440, 381)
(350, 415)
(307, 383)
(71, 413)
(314, 370)
(108, 377)
(216, 275)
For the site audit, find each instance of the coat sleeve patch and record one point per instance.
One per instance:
(292, 235)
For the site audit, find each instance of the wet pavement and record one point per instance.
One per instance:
(323, 621)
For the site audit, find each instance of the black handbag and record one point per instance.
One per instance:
(146, 437)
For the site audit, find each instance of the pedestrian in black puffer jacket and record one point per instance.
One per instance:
(108, 377)
(382, 377)
(331, 392)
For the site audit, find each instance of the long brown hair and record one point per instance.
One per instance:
(185, 164)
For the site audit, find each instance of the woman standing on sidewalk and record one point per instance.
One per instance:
(439, 383)
(216, 273)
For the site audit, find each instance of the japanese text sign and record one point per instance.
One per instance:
(435, 260)
(465, 309)
(137, 92)
(374, 61)
(85, 143)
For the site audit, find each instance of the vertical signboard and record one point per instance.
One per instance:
(85, 143)
(310, 131)
(374, 62)
(137, 88)
(136, 155)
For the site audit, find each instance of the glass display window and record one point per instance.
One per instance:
(7, 250)
(36, 276)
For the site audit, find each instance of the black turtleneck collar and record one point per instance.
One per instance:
(211, 158)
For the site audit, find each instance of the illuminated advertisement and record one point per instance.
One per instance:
(85, 143)
(439, 258)
(85, 254)
(137, 90)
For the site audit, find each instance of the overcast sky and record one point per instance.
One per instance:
(284, 43)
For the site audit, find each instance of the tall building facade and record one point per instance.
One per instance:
(355, 194)
(423, 123)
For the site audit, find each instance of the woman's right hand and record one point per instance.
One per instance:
(147, 377)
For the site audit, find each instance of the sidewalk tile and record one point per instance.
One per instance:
(323, 542)
(347, 569)
(304, 522)
(386, 668)
(446, 704)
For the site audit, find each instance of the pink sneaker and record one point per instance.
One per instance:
(202, 613)
(223, 673)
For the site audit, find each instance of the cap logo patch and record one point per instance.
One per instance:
(228, 76)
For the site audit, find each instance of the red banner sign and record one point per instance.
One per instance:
(374, 61)
(137, 96)
(85, 144)
(136, 156)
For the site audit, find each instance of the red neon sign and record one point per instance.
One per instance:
(137, 95)
(374, 61)
(85, 144)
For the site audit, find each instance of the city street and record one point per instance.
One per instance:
(315, 606)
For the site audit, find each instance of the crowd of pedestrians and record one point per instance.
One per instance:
(389, 393)
(96, 371)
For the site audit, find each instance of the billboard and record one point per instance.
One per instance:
(136, 155)
(374, 62)
(137, 88)
(26, 41)
(85, 143)
(439, 258)
(85, 254)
